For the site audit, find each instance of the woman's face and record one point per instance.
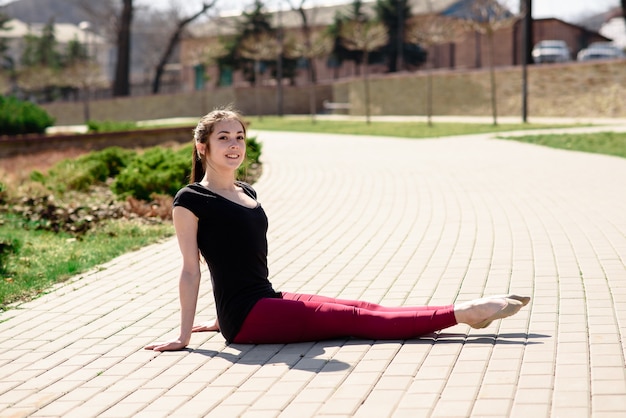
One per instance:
(226, 146)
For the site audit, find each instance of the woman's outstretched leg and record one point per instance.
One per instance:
(303, 297)
(286, 321)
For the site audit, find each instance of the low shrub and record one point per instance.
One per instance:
(156, 171)
(8, 245)
(21, 117)
(94, 126)
(81, 173)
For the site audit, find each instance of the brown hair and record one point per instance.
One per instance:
(201, 134)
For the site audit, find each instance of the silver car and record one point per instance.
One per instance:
(600, 51)
(551, 51)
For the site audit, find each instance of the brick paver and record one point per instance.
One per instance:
(389, 220)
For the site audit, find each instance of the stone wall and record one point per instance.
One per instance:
(569, 90)
(192, 104)
(561, 90)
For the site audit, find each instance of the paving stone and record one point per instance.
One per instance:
(394, 221)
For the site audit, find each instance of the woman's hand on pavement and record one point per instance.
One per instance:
(206, 326)
(172, 345)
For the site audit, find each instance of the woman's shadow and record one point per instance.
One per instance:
(318, 357)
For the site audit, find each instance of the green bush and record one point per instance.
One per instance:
(3, 192)
(110, 126)
(21, 117)
(84, 171)
(8, 245)
(158, 170)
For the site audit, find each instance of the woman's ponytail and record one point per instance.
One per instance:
(197, 168)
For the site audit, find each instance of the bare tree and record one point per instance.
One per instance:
(319, 45)
(486, 17)
(173, 41)
(428, 31)
(259, 47)
(84, 75)
(37, 77)
(364, 36)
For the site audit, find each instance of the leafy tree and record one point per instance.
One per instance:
(75, 52)
(394, 14)
(364, 36)
(319, 45)
(41, 63)
(259, 47)
(42, 50)
(426, 31)
(253, 23)
(6, 62)
(340, 53)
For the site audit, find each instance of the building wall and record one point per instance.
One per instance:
(471, 49)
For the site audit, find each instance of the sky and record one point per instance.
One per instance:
(568, 10)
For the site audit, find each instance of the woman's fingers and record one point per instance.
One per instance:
(205, 327)
(168, 346)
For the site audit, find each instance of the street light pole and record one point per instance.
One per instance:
(526, 44)
(85, 26)
(279, 62)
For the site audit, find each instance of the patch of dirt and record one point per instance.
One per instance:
(16, 169)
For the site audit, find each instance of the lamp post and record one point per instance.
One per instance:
(279, 62)
(85, 26)
(526, 56)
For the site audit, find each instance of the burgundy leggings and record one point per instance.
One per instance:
(299, 317)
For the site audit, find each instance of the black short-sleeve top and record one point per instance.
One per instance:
(233, 240)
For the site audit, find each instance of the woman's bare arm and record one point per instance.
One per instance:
(186, 225)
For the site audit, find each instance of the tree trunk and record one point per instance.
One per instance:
(492, 73)
(121, 84)
(367, 86)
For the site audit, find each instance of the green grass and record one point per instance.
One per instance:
(396, 129)
(609, 143)
(42, 258)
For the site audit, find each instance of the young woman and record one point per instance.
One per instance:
(219, 218)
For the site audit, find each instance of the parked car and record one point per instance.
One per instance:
(600, 51)
(551, 51)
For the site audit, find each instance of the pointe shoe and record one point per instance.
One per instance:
(524, 299)
(511, 308)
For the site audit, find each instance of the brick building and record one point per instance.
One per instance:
(468, 51)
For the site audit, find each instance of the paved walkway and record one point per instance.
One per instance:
(389, 220)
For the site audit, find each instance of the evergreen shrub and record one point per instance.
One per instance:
(81, 173)
(94, 126)
(21, 117)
